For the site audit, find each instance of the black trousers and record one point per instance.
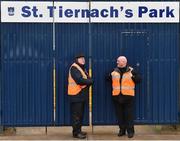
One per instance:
(125, 113)
(77, 112)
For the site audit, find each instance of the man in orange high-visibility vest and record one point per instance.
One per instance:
(78, 92)
(124, 79)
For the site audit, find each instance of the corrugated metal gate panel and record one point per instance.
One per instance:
(164, 57)
(157, 101)
(105, 41)
(135, 46)
(70, 39)
(26, 74)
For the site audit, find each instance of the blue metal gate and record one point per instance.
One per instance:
(26, 72)
(150, 48)
(135, 46)
(70, 40)
(28, 61)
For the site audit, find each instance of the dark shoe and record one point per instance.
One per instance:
(130, 135)
(122, 133)
(83, 133)
(79, 136)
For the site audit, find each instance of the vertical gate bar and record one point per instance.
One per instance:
(90, 71)
(54, 70)
(1, 127)
(54, 90)
(46, 130)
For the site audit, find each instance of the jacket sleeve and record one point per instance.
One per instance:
(78, 78)
(136, 76)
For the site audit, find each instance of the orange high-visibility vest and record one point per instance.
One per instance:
(73, 87)
(127, 86)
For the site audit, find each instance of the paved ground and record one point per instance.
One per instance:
(99, 133)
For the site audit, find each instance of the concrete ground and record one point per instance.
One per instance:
(99, 133)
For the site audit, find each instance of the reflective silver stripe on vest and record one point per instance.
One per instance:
(72, 83)
(129, 77)
(116, 88)
(123, 88)
(127, 88)
(115, 76)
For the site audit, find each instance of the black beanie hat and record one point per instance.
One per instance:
(79, 55)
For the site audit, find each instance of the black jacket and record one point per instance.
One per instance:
(136, 78)
(78, 78)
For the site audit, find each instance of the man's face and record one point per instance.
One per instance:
(121, 62)
(81, 60)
